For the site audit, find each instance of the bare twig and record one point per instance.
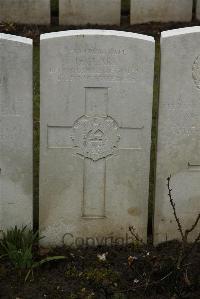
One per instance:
(195, 241)
(193, 226)
(135, 235)
(184, 234)
(143, 285)
(174, 208)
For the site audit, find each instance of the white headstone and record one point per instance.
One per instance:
(25, 11)
(178, 132)
(79, 12)
(96, 102)
(144, 11)
(15, 131)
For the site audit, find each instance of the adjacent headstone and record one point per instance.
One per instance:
(178, 132)
(79, 12)
(96, 103)
(198, 10)
(144, 11)
(25, 11)
(15, 131)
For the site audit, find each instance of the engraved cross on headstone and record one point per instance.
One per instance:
(95, 137)
(192, 166)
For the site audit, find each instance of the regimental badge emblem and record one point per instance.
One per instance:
(95, 137)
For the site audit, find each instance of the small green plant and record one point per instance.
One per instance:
(19, 237)
(18, 246)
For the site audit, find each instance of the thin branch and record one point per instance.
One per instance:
(135, 235)
(195, 242)
(174, 209)
(144, 284)
(191, 249)
(184, 235)
(193, 226)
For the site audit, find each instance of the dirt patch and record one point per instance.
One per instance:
(117, 272)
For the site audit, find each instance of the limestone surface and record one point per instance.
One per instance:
(198, 10)
(79, 12)
(144, 11)
(96, 103)
(25, 11)
(178, 132)
(16, 175)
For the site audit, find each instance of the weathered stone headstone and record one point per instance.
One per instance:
(198, 10)
(25, 11)
(79, 12)
(143, 11)
(96, 102)
(178, 132)
(15, 131)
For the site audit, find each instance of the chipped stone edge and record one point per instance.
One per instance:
(97, 32)
(16, 38)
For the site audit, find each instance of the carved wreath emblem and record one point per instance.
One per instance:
(95, 137)
(196, 72)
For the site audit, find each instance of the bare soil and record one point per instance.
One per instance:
(126, 272)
